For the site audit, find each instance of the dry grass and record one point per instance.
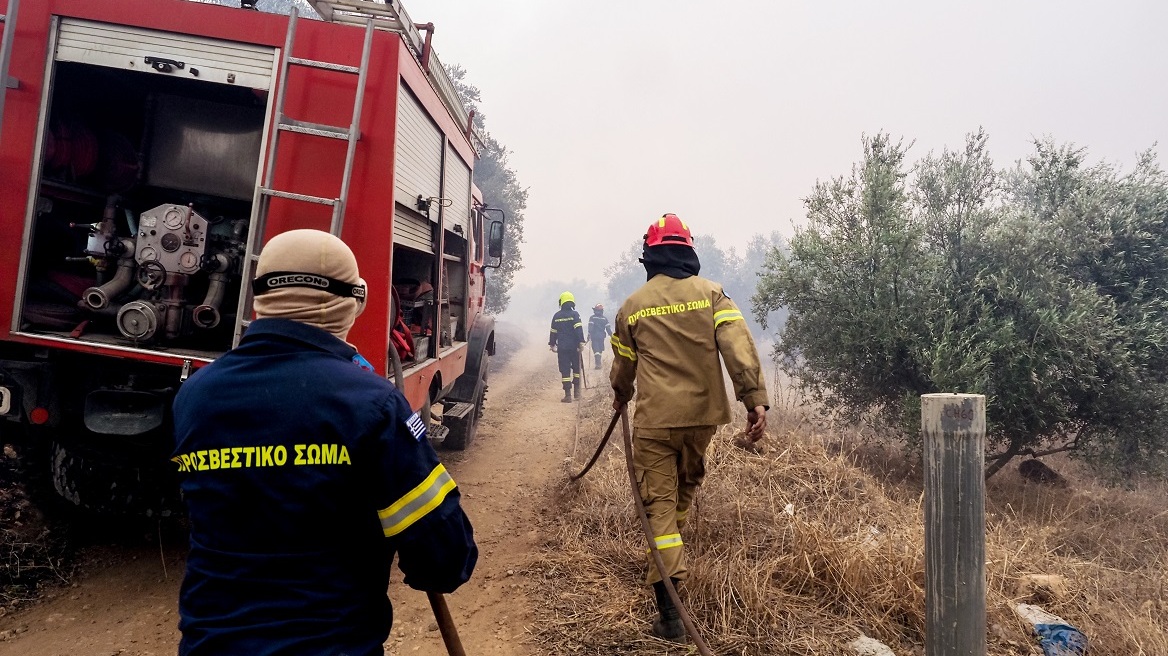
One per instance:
(31, 553)
(847, 556)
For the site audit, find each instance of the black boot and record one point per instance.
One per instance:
(576, 388)
(668, 624)
(567, 395)
(597, 361)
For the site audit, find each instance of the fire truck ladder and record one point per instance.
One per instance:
(391, 16)
(265, 192)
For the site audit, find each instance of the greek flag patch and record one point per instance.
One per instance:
(417, 427)
(360, 361)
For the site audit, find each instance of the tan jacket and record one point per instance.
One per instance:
(668, 336)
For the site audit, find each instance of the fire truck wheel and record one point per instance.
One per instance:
(463, 431)
(98, 483)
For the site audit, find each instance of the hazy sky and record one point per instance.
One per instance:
(619, 111)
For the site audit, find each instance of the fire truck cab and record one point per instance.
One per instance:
(149, 149)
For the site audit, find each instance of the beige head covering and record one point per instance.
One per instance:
(310, 251)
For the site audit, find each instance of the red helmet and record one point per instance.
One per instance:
(668, 230)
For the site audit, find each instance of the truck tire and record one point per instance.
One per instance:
(97, 483)
(464, 428)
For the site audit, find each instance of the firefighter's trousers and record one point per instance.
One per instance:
(569, 367)
(670, 465)
(598, 347)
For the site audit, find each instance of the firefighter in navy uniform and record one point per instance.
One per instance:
(669, 336)
(566, 339)
(304, 474)
(599, 331)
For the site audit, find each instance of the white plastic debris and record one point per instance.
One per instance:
(1036, 615)
(865, 646)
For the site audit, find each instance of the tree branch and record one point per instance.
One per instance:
(1074, 444)
(1068, 447)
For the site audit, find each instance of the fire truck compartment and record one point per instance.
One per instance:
(144, 200)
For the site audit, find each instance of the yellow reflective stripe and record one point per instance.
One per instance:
(621, 349)
(554, 330)
(428, 495)
(577, 325)
(667, 541)
(661, 222)
(726, 315)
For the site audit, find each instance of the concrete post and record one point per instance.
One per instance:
(954, 426)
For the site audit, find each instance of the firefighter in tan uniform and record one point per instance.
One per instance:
(669, 335)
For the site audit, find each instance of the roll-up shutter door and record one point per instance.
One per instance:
(411, 231)
(417, 154)
(165, 53)
(457, 191)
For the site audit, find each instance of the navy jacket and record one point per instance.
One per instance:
(567, 331)
(303, 474)
(598, 328)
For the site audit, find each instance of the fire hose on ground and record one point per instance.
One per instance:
(686, 620)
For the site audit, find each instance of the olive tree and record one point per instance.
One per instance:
(851, 281)
(952, 277)
(1109, 234)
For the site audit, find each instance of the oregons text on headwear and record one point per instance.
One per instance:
(282, 279)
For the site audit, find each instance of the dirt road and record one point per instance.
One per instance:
(123, 602)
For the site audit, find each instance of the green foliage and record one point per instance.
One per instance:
(1042, 288)
(850, 269)
(501, 189)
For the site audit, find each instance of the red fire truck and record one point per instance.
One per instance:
(149, 148)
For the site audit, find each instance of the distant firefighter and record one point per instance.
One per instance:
(669, 335)
(567, 340)
(599, 331)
